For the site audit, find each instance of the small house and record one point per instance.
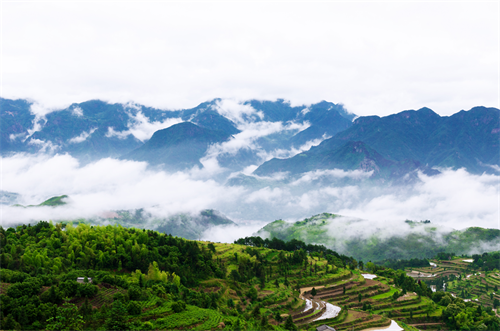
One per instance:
(82, 279)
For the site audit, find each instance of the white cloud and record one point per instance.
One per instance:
(453, 199)
(376, 57)
(236, 111)
(107, 184)
(247, 139)
(78, 111)
(141, 128)
(82, 137)
(230, 233)
(44, 146)
(288, 153)
(311, 176)
(13, 137)
(39, 111)
(266, 194)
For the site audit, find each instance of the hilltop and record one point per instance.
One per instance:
(405, 240)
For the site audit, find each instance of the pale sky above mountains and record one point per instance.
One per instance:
(374, 57)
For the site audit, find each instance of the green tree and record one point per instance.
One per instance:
(117, 317)
(252, 293)
(134, 293)
(67, 318)
(289, 325)
(86, 309)
(179, 306)
(256, 312)
(134, 308)
(264, 322)
(314, 292)
(9, 323)
(359, 297)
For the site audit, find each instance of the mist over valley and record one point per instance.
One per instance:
(252, 163)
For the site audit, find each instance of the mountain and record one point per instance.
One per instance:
(468, 139)
(351, 156)
(412, 239)
(16, 122)
(8, 198)
(51, 202)
(188, 226)
(326, 121)
(178, 147)
(96, 129)
(392, 146)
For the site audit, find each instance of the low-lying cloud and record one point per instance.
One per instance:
(82, 137)
(454, 199)
(141, 128)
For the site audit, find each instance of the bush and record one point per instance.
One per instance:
(134, 308)
(119, 297)
(29, 287)
(134, 293)
(86, 290)
(69, 288)
(252, 294)
(178, 306)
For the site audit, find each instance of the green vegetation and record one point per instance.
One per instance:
(52, 202)
(65, 277)
(422, 241)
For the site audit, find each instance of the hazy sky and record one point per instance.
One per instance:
(375, 57)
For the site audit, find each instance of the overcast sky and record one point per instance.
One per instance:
(374, 57)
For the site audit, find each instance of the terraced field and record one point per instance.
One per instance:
(355, 294)
(466, 284)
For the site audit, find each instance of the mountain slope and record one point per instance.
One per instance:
(16, 122)
(406, 240)
(83, 130)
(188, 226)
(466, 139)
(354, 155)
(178, 147)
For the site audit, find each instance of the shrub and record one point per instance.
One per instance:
(134, 308)
(86, 290)
(134, 293)
(179, 306)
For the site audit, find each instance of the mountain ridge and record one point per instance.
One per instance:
(420, 136)
(394, 146)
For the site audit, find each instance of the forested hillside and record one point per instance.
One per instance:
(64, 277)
(413, 240)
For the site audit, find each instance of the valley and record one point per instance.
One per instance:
(194, 219)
